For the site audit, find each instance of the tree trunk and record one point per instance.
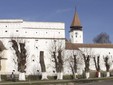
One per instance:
(108, 74)
(59, 75)
(75, 67)
(75, 64)
(22, 77)
(42, 64)
(44, 75)
(60, 66)
(99, 74)
(87, 75)
(23, 56)
(0, 78)
(107, 66)
(97, 66)
(75, 75)
(86, 60)
(56, 62)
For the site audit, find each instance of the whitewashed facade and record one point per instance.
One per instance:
(37, 36)
(93, 52)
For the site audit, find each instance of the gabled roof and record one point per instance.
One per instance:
(76, 46)
(76, 23)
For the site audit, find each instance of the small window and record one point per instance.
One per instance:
(46, 42)
(53, 71)
(5, 26)
(76, 34)
(55, 41)
(25, 32)
(59, 32)
(36, 40)
(6, 31)
(16, 30)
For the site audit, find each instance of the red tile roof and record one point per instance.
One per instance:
(76, 22)
(72, 46)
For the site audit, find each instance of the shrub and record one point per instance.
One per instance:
(52, 77)
(33, 77)
(67, 77)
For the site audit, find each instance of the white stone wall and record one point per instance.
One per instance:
(37, 36)
(103, 52)
(31, 29)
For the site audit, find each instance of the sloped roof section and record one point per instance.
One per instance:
(72, 46)
(76, 22)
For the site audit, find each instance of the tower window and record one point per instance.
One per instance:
(72, 36)
(76, 34)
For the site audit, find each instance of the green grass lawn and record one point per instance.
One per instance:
(55, 82)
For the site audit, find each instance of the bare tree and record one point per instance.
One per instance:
(21, 57)
(86, 60)
(97, 65)
(87, 54)
(2, 57)
(58, 63)
(56, 51)
(55, 61)
(73, 65)
(102, 38)
(107, 65)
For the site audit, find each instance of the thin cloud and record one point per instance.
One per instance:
(63, 10)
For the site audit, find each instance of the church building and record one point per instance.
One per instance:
(48, 37)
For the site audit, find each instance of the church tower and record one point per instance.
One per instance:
(76, 32)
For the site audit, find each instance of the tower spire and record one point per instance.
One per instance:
(75, 25)
(76, 32)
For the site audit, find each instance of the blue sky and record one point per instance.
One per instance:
(96, 15)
